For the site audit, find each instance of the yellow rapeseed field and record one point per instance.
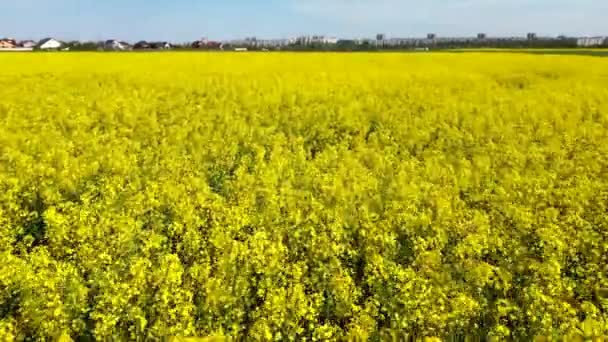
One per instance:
(303, 197)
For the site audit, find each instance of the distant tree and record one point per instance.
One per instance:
(82, 46)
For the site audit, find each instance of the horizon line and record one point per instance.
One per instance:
(437, 36)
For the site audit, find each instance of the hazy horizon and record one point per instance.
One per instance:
(187, 20)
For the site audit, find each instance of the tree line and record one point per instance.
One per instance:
(370, 45)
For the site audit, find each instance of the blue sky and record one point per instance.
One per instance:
(184, 20)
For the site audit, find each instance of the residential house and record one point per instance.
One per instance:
(7, 43)
(206, 44)
(126, 45)
(199, 44)
(214, 45)
(115, 45)
(29, 44)
(141, 45)
(160, 45)
(49, 44)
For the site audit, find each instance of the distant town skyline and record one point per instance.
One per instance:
(186, 20)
